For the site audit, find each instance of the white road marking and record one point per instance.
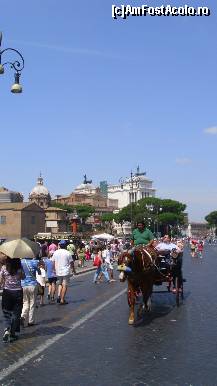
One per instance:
(22, 361)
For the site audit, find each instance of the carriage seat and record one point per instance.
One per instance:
(164, 264)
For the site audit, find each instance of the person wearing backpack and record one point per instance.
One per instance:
(101, 267)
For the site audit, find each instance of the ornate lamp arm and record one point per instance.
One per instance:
(17, 65)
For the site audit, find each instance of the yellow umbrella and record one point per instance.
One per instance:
(20, 248)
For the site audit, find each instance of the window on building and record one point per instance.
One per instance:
(2, 220)
(33, 220)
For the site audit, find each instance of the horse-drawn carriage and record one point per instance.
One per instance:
(169, 268)
(144, 267)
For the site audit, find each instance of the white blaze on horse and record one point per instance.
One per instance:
(138, 267)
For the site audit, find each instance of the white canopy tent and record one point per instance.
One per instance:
(103, 236)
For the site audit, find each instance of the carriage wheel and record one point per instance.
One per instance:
(169, 285)
(179, 291)
(182, 292)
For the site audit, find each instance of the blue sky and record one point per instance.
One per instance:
(101, 96)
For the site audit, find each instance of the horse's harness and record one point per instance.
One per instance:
(146, 251)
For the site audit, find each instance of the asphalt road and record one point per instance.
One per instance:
(89, 343)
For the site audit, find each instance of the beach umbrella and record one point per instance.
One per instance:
(20, 248)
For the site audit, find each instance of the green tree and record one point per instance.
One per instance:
(107, 220)
(169, 218)
(211, 218)
(83, 211)
(154, 211)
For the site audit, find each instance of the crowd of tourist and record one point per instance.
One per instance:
(24, 280)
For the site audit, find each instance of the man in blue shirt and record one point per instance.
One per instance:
(30, 289)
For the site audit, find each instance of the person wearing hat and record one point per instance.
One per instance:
(63, 264)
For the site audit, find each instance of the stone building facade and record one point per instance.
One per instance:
(131, 189)
(56, 220)
(99, 202)
(21, 220)
(87, 194)
(7, 195)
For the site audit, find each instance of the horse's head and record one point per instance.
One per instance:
(139, 259)
(124, 258)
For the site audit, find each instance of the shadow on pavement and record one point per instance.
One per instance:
(42, 331)
(159, 310)
(76, 283)
(47, 321)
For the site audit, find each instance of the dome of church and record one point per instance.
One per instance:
(40, 194)
(38, 190)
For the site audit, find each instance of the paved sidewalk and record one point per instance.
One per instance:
(88, 267)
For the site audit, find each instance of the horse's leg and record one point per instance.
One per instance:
(131, 302)
(146, 292)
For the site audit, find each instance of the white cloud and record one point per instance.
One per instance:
(211, 130)
(68, 50)
(183, 161)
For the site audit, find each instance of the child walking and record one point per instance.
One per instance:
(52, 278)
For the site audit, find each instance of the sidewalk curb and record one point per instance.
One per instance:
(77, 274)
(85, 271)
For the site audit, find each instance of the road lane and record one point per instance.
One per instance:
(170, 347)
(53, 320)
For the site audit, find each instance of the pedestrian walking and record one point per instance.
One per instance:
(41, 280)
(193, 247)
(72, 250)
(52, 247)
(30, 290)
(44, 249)
(12, 297)
(101, 268)
(200, 249)
(63, 264)
(107, 256)
(81, 256)
(87, 254)
(51, 277)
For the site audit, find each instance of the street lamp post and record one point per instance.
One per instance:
(150, 209)
(132, 181)
(158, 211)
(17, 65)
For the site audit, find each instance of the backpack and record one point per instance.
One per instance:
(97, 261)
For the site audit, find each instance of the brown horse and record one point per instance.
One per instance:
(140, 261)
